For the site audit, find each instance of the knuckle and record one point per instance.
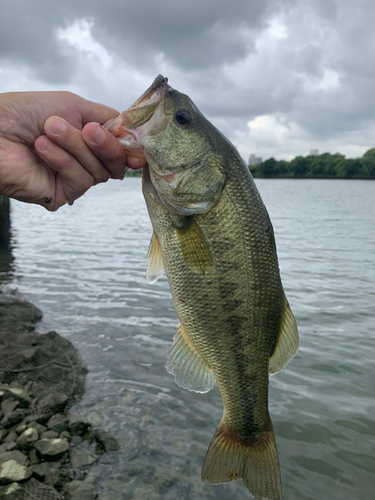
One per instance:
(67, 160)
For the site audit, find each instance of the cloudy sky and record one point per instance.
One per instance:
(278, 77)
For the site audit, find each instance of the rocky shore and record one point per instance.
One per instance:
(45, 450)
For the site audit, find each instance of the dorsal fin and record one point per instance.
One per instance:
(287, 343)
(155, 266)
(185, 363)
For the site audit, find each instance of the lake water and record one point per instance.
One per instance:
(84, 267)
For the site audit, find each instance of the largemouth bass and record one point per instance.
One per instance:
(214, 239)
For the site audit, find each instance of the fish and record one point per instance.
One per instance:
(213, 238)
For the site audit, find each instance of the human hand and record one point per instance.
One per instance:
(53, 148)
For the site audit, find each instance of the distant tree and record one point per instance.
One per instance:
(325, 165)
(349, 168)
(368, 163)
(268, 168)
(281, 168)
(298, 167)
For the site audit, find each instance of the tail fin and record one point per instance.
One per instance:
(229, 458)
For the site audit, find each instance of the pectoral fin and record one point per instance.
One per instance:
(155, 266)
(287, 344)
(193, 245)
(185, 363)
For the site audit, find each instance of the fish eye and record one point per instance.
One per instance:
(183, 117)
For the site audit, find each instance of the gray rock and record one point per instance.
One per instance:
(21, 428)
(76, 440)
(49, 403)
(39, 427)
(77, 425)
(19, 395)
(58, 478)
(40, 471)
(8, 405)
(16, 455)
(33, 457)
(3, 434)
(49, 435)
(38, 491)
(58, 423)
(10, 446)
(26, 440)
(51, 449)
(13, 418)
(11, 471)
(79, 490)
(66, 435)
(18, 315)
(12, 436)
(105, 440)
(12, 492)
(79, 458)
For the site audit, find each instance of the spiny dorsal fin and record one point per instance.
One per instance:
(193, 245)
(155, 266)
(185, 363)
(287, 344)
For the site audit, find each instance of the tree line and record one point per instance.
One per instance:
(324, 166)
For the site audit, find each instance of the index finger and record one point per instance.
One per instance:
(106, 147)
(109, 150)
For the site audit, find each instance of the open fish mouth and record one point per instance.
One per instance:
(145, 117)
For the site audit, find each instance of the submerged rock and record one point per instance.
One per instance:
(77, 425)
(80, 490)
(79, 458)
(104, 439)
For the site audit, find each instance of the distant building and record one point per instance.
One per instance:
(314, 152)
(253, 160)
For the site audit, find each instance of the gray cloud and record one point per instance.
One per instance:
(307, 62)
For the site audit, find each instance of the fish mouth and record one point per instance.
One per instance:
(145, 117)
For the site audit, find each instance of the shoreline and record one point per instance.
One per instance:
(45, 450)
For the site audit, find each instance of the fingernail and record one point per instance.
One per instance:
(98, 136)
(58, 127)
(47, 144)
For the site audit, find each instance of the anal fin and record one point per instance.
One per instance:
(287, 343)
(155, 266)
(185, 363)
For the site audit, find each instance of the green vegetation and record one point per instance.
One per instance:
(325, 166)
(134, 173)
